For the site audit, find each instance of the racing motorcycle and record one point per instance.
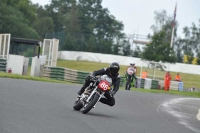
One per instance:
(93, 93)
(129, 77)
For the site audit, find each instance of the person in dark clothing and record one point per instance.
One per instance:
(112, 72)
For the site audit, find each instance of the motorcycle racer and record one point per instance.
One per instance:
(132, 66)
(112, 72)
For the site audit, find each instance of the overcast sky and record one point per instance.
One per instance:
(138, 15)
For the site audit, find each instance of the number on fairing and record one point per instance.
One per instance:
(104, 86)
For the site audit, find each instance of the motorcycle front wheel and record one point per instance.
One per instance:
(91, 104)
(128, 84)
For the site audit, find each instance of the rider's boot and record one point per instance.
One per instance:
(80, 92)
(87, 82)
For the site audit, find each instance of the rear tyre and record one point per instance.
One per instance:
(90, 104)
(77, 105)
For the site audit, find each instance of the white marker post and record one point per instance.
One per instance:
(198, 115)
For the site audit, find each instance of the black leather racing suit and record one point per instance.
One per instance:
(109, 100)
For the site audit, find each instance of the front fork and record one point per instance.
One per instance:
(93, 93)
(132, 79)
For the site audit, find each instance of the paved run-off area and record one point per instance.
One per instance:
(41, 107)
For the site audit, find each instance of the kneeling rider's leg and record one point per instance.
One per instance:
(109, 100)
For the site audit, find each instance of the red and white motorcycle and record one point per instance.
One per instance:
(93, 93)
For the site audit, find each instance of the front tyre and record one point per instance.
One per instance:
(91, 104)
(128, 82)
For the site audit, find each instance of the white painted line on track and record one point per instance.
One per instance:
(169, 106)
(198, 115)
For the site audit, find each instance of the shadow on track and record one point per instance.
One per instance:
(100, 115)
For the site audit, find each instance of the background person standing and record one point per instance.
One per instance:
(144, 74)
(167, 80)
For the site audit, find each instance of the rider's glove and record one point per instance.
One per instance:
(93, 77)
(90, 77)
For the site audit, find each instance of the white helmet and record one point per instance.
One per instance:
(132, 63)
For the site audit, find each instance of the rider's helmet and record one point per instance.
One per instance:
(132, 64)
(114, 68)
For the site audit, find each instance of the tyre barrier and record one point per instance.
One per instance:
(69, 75)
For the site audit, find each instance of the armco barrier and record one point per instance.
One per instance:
(3, 64)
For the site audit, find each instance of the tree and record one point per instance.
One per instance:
(137, 52)
(198, 60)
(160, 20)
(43, 23)
(126, 47)
(27, 9)
(190, 44)
(194, 61)
(184, 46)
(58, 10)
(96, 22)
(13, 22)
(71, 21)
(116, 47)
(159, 49)
(178, 49)
(87, 25)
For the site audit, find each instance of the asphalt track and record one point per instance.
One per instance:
(40, 107)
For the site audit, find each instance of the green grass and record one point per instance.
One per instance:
(182, 93)
(17, 76)
(81, 65)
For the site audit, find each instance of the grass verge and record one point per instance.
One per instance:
(174, 92)
(91, 66)
(17, 76)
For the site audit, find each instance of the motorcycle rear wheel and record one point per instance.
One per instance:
(77, 105)
(91, 104)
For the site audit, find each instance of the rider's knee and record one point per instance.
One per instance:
(112, 103)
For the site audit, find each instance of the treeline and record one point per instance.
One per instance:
(184, 50)
(80, 26)
(85, 25)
